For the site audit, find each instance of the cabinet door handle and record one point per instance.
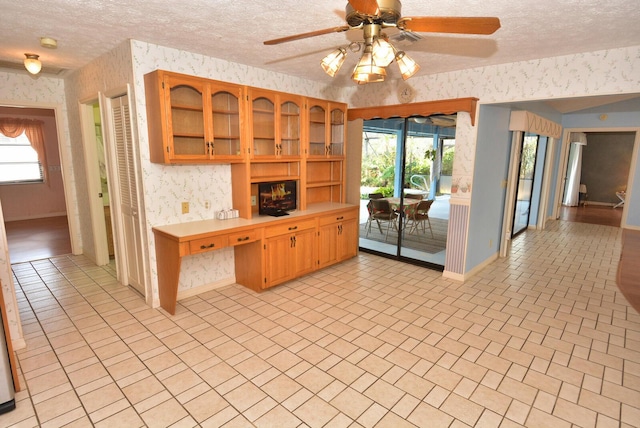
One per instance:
(246, 238)
(204, 247)
(293, 227)
(340, 229)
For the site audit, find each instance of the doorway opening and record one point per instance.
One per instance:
(35, 214)
(598, 166)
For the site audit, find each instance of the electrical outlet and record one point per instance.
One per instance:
(207, 205)
(185, 207)
(490, 243)
(254, 201)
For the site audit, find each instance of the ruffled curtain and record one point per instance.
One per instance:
(13, 127)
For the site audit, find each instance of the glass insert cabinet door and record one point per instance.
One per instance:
(317, 130)
(263, 119)
(336, 143)
(289, 144)
(187, 125)
(225, 111)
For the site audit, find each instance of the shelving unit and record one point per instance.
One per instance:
(265, 135)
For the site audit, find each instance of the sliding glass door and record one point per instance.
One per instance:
(526, 176)
(402, 163)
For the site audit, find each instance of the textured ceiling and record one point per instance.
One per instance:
(235, 31)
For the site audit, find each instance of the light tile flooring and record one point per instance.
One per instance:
(540, 339)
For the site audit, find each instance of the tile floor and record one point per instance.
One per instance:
(540, 339)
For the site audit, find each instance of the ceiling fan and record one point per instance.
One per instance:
(372, 17)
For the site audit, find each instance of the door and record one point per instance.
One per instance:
(524, 190)
(398, 158)
(128, 211)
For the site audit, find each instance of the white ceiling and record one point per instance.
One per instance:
(235, 31)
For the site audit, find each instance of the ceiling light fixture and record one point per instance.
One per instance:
(32, 63)
(377, 54)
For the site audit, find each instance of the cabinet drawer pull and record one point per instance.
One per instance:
(204, 247)
(340, 218)
(246, 238)
(293, 227)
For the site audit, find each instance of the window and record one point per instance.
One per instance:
(19, 161)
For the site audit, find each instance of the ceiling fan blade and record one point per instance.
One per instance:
(307, 35)
(366, 7)
(449, 24)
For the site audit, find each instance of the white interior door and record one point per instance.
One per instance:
(127, 217)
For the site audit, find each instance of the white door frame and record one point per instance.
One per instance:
(100, 253)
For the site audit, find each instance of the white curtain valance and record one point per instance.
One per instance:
(526, 121)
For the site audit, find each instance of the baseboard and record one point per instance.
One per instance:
(36, 217)
(464, 276)
(190, 292)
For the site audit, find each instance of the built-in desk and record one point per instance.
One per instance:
(247, 237)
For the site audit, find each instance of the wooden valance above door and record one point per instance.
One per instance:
(427, 108)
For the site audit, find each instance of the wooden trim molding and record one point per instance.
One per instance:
(417, 109)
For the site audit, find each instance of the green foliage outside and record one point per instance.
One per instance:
(447, 161)
(378, 162)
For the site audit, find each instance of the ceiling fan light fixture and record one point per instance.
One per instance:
(32, 63)
(408, 67)
(332, 62)
(367, 71)
(383, 52)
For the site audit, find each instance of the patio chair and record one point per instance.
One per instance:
(380, 211)
(420, 217)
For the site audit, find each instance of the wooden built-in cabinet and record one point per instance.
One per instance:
(193, 120)
(337, 237)
(268, 250)
(275, 125)
(265, 135)
(289, 250)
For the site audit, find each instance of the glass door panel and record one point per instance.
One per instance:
(524, 193)
(397, 163)
(289, 129)
(187, 125)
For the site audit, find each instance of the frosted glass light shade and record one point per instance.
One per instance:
(32, 63)
(408, 67)
(383, 52)
(367, 71)
(332, 62)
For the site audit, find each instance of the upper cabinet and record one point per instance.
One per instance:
(275, 125)
(326, 127)
(193, 120)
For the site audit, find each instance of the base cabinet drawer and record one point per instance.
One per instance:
(243, 237)
(207, 244)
